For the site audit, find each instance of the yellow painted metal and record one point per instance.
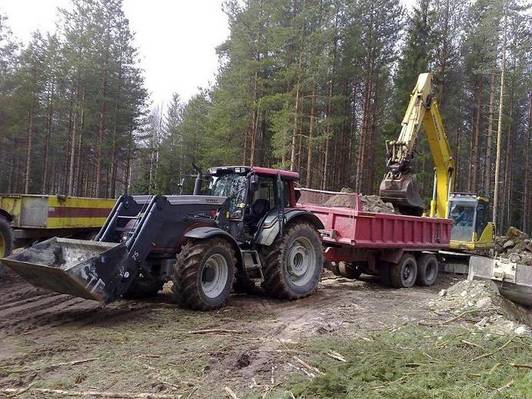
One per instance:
(74, 222)
(442, 159)
(485, 241)
(423, 110)
(19, 205)
(57, 201)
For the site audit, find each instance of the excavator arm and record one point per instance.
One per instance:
(398, 186)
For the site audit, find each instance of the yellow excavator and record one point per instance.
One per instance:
(472, 229)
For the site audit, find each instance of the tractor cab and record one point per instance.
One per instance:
(472, 229)
(253, 193)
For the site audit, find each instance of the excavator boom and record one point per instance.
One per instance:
(399, 184)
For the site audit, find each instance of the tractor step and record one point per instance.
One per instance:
(252, 263)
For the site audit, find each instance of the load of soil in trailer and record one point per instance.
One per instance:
(370, 203)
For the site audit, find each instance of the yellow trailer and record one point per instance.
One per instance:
(25, 218)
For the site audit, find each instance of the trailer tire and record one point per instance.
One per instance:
(204, 274)
(404, 273)
(427, 270)
(293, 264)
(6, 238)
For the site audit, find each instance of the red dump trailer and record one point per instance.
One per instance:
(401, 249)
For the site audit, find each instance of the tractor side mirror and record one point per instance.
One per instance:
(254, 183)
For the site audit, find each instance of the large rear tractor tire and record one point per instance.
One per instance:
(204, 274)
(293, 263)
(6, 238)
(427, 270)
(404, 273)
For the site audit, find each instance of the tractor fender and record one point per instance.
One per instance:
(206, 232)
(270, 227)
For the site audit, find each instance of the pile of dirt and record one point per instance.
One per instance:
(515, 246)
(480, 300)
(370, 203)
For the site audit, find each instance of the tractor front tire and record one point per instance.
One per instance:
(427, 270)
(404, 273)
(204, 274)
(293, 263)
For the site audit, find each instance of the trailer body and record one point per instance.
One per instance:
(372, 242)
(34, 217)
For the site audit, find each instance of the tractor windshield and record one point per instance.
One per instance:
(232, 186)
(463, 216)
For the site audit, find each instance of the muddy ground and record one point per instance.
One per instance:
(60, 342)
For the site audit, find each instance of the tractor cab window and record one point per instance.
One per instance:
(463, 216)
(234, 187)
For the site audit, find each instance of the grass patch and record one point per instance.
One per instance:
(420, 363)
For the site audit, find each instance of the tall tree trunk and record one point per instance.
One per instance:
(308, 182)
(488, 170)
(499, 127)
(49, 121)
(476, 139)
(526, 194)
(325, 176)
(29, 146)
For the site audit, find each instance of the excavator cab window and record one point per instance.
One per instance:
(463, 216)
(482, 217)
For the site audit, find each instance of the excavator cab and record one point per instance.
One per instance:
(472, 229)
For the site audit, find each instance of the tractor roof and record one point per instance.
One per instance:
(220, 170)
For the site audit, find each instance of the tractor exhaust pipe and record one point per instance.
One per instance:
(197, 182)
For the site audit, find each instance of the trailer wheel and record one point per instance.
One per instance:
(204, 274)
(293, 263)
(404, 273)
(427, 270)
(6, 238)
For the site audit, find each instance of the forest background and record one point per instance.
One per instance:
(316, 86)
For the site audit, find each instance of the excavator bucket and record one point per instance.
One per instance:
(402, 192)
(87, 269)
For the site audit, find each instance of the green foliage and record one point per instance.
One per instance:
(74, 101)
(420, 363)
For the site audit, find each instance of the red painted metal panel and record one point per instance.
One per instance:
(382, 230)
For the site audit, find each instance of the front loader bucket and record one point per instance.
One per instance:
(87, 269)
(513, 279)
(402, 192)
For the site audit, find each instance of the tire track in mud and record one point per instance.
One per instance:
(28, 310)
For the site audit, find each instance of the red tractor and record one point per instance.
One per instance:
(241, 228)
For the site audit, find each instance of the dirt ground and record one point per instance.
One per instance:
(56, 341)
